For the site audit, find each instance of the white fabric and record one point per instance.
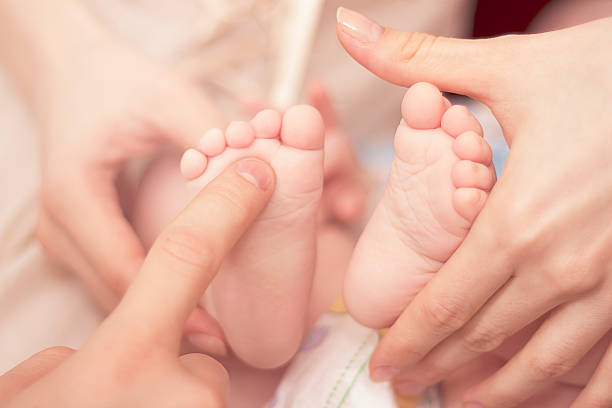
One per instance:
(331, 370)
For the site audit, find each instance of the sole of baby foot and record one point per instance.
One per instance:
(439, 181)
(260, 295)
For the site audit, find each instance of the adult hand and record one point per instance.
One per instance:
(542, 242)
(98, 105)
(133, 357)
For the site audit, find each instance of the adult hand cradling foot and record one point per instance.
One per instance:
(541, 245)
(132, 359)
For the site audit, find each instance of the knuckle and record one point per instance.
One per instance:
(444, 314)
(518, 233)
(413, 44)
(565, 282)
(187, 246)
(518, 243)
(549, 366)
(575, 276)
(483, 339)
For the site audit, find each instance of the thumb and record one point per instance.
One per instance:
(209, 371)
(477, 68)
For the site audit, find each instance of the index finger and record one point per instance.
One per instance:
(459, 289)
(187, 254)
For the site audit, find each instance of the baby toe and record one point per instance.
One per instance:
(458, 119)
(193, 164)
(212, 143)
(303, 128)
(471, 146)
(467, 173)
(423, 106)
(267, 124)
(468, 202)
(239, 134)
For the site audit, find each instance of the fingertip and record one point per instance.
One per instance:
(209, 370)
(257, 172)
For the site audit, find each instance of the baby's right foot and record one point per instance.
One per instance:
(260, 295)
(440, 178)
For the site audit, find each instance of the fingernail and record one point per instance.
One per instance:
(472, 405)
(209, 344)
(381, 374)
(358, 26)
(255, 172)
(409, 388)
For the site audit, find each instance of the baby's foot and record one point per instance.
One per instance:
(260, 295)
(438, 183)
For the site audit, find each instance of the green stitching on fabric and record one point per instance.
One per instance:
(346, 368)
(363, 366)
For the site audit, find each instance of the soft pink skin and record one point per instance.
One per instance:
(432, 197)
(265, 284)
(239, 134)
(193, 164)
(212, 143)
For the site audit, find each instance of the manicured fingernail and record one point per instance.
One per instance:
(381, 374)
(255, 172)
(358, 26)
(472, 405)
(409, 388)
(208, 344)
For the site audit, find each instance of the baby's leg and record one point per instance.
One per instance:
(439, 181)
(262, 293)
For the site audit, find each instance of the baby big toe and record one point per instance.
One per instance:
(468, 202)
(471, 146)
(193, 164)
(423, 106)
(303, 128)
(467, 173)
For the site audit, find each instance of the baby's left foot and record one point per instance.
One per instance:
(260, 295)
(439, 180)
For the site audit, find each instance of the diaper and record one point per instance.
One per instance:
(331, 370)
